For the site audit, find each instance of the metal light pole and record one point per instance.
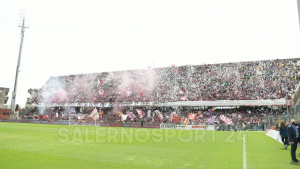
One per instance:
(14, 93)
(298, 4)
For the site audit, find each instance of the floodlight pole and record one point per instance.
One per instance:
(298, 4)
(14, 93)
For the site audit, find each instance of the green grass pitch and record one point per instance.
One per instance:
(62, 146)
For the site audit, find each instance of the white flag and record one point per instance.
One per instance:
(149, 114)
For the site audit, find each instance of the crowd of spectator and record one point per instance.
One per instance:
(248, 115)
(273, 79)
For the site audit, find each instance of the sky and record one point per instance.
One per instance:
(77, 37)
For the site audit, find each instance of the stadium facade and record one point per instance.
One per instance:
(4, 111)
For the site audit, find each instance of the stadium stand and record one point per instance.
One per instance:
(257, 80)
(209, 83)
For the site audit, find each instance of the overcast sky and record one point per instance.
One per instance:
(72, 37)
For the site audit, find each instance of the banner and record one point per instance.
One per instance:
(168, 126)
(137, 125)
(187, 127)
(115, 124)
(274, 134)
(126, 124)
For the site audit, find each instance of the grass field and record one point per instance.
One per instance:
(61, 146)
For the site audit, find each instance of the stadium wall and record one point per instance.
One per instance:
(134, 125)
(4, 114)
(85, 123)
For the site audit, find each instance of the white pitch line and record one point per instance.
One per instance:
(244, 155)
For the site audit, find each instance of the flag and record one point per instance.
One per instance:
(192, 116)
(93, 113)
(100, 112)
(96, 116)
(257, 70)
(120, 114)
(140, 112)
(149, 114)
(186, 121)
(100, 81)
(159, 115)
(180, 92)
(226, 120)
(131, 115)
(211, 120)
(101, 92)
(173, 65)
(198, 117)
(123, 117)
(184, 98)
(175, 118)
(171, 115)
(211, 110)
(128, 91)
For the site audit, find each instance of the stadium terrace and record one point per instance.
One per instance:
(252, 90)
(271, 82)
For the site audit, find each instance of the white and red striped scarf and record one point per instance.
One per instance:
(226, 120)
